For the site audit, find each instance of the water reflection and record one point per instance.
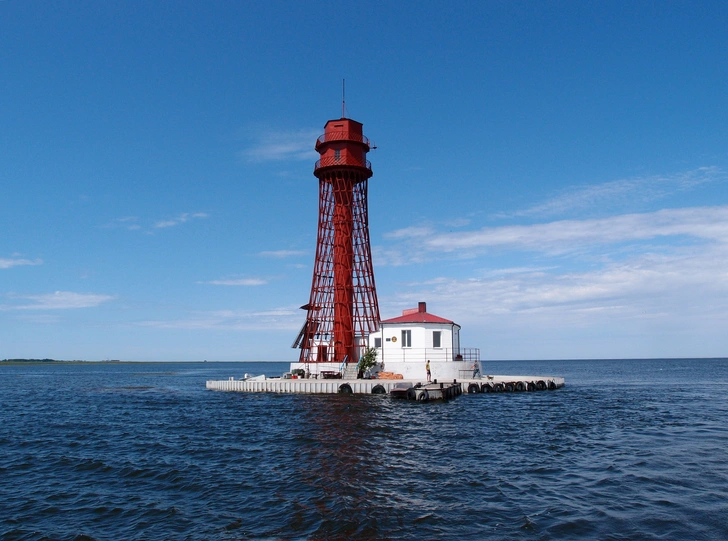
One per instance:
(338, 446)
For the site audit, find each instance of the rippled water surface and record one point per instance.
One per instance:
(627, 450)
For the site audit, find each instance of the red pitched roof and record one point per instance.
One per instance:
(418, 315)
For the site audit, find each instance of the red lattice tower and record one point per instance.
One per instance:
(342, 309)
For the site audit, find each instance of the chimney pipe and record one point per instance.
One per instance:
(422, 307)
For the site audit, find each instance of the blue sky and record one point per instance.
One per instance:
(553, 176)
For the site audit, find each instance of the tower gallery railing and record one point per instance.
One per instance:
(328, 161)
(342, 136)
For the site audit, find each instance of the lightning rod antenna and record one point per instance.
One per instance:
(343, 98)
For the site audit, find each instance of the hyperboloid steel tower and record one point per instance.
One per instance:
(342, 309)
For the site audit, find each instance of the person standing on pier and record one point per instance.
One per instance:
(427, 367)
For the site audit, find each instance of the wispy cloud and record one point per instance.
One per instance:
(638, 284)
(668, 287)
(509, 271)
(643, 189)
(282, 145)
(38, 318)
(60, 300)
(134, 223)
(457, 222)
(703, 223)
(129, 223)
(18, 262)
(288, 319)
(281, 254)
(182, 218)
(409, 232)
(237, 282)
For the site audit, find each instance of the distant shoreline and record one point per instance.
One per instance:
(55, 361)
(114, 361)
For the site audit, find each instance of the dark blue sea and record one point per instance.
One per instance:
(626, 450)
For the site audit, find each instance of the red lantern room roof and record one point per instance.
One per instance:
(418, 315)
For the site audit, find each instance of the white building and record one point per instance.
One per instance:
(404, 344)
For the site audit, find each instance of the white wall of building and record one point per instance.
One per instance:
(395, 355)
(421, 348)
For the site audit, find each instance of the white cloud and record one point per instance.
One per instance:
(398, 256)
(60, 300)
(131, 223)
(237, 282)
(702, 223)
(642, 189)
(17, 262)
(280, 254)
(286, 319)
(690, 283)
(516, 270)
(283, 145)
(663, 230)
(127, 222)
(457, 222)
(36, 318)
(647, 284)
(409, 233)
(182, 218)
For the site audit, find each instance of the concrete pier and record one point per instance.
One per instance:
(367, 386)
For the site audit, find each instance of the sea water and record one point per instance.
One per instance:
(626, 450)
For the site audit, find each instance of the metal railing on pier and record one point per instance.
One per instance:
(403, 355)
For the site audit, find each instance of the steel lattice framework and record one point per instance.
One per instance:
(342, 309)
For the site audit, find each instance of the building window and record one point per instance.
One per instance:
(337, 155)
(436, 339)
(377, 342)
(406, 339)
